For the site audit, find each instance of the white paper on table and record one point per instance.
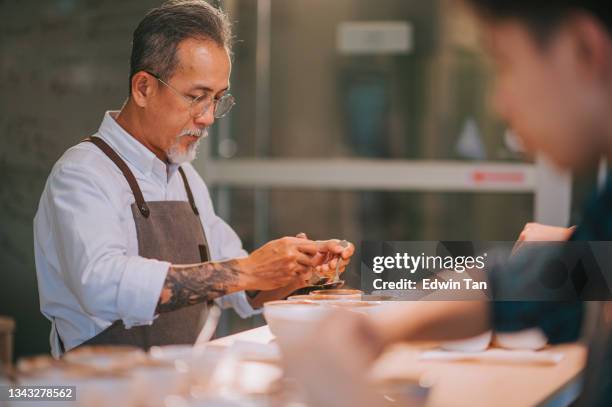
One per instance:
(496, 356)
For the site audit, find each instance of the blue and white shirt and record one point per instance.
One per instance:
(88, 269)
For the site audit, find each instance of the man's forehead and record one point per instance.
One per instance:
(203, 60)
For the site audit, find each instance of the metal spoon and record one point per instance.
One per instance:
(344, 244)
(325, 283)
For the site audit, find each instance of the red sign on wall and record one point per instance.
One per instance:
(496, 177)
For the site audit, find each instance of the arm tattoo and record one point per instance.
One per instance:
(188, 285)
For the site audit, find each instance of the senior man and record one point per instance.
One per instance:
(128, 247)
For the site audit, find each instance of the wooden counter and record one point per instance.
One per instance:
(473, 383)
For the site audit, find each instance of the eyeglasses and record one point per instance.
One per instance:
(198, 106)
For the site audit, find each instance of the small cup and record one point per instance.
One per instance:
(289, 320)
(362, 307)
(339, 293)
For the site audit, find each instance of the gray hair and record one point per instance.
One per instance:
(156, 39)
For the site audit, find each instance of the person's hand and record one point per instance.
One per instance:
(336, 354)
(537, 232)
(326, 260)
(280, 262)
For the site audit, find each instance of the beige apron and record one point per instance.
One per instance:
(167, 231)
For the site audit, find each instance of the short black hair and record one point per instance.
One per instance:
(543, 16)
(156, 39)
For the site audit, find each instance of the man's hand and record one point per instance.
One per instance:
(326, 261)
(537, 232)
(287, 262)
(280, 262)
(323, 264)
(336, 354)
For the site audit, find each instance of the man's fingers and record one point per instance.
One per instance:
(319, 258)
(342, 266)
(322, 254)
(297, 240)
(331, 246)
(301, 269)
(308, 247)
(305, 260)
(323, 269)
(349, 251)
(334, 246)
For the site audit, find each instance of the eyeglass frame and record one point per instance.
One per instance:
(193, 100)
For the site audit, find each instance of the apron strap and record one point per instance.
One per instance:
(188, 189)
(129, 176)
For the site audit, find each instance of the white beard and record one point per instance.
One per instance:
(177, 155)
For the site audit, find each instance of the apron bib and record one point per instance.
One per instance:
(168, 231)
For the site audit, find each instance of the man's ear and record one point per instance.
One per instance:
(593, 45)
(142, 88)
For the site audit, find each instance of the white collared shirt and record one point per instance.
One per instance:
(87, 265)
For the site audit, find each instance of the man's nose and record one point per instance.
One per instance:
(207, 119)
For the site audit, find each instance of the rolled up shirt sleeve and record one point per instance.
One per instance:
(92, 250)
(140, 289)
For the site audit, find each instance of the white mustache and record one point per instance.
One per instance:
(194, 132)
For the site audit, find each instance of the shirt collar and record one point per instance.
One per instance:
(132, 150)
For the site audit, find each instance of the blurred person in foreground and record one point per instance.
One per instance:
(554, 88)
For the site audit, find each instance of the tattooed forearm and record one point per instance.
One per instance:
(188, 285)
